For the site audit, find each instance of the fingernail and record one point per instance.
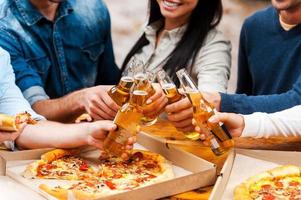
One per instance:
(212, 120)
(149, 101)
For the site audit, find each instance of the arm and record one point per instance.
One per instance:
(56, 135)
(213, 63)
(285, 123)
(241, 103)
(95, 101)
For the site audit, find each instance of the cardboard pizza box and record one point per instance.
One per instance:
(243, 163)
(191, 172)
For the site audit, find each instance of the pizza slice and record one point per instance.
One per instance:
(283, 183)
(12, 123)
(60, 164)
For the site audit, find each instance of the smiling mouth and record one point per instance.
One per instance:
(170, 4)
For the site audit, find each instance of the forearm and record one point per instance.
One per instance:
(243, 104)
(285, 123)
(63, 109)
(47, 134)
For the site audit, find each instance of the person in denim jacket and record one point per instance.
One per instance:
(57, 48)
(44, 133)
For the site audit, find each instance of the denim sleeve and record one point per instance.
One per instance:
(26, 77)
(241, 103)
(12, 101)
(109, 71)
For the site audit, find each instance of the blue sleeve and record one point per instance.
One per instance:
(12, 101)
(27, 79)
(244, 79)
(241, 103)
(109, 71)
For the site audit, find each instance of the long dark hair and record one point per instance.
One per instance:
(204, 17)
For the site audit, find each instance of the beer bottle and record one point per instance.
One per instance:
(202, 111)
(121, 93)
(144, 80)
(171, 92)
(128, 119)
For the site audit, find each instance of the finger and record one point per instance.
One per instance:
(110, 103)
(186, 129)
(95, 116)
(7, 136)
(125, 155)
(132, 140)
(218, 117)
(155, 107)
(106, 125)
(95, 142)
(157, 94)
(129, 147)
(183, 123)
(182, 115)
(178, 106)
(104, 107)
(98, 113)
(203, 137)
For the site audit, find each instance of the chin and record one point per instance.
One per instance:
(57, 1)
(285, 4)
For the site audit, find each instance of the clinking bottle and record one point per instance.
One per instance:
(219, 137)
(128, 120)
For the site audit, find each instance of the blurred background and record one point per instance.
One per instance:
(129, 16)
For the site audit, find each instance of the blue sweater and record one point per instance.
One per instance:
(269, 66)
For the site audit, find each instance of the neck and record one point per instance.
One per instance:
(47, 8)
(170, 24)
(292, 15)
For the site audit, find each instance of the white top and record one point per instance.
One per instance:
(284, 123)
(211, 69)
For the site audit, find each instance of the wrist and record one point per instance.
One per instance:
(77, 98)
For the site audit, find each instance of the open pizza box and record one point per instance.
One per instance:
(191, 172)
(243, 163)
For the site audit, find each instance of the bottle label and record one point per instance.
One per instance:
(123, 136)
(214, 144)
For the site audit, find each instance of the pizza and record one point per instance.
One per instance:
(94, 178)
(281, 183)
(12, 123)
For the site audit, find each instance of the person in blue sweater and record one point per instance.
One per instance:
(269, 66)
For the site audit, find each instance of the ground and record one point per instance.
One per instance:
(128, 18)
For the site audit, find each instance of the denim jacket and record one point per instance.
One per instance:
(52, 59)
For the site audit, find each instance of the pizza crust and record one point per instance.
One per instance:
(65, 194)
(242, 191)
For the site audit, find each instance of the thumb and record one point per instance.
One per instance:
(106, 125)
(218, 117)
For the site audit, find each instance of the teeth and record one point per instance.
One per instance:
(170, 4)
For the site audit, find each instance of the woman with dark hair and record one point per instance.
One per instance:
(182, 34)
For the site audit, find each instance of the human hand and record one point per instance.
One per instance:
(11, 136)
(97, 103)
(180, 114)
(98, 133)
(233, 122)
(214, 99)
(156, 103)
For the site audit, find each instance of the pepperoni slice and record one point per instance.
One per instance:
(268, 197)
(294, 183)
(266, 187)
(110, 185)
(84, 166)
(279, 184)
